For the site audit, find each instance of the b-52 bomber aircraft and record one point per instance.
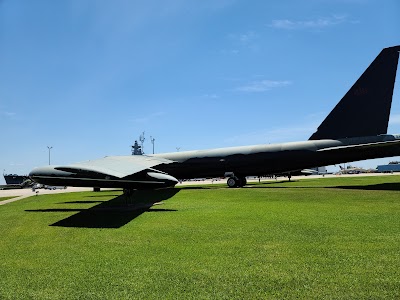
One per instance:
(356, 129)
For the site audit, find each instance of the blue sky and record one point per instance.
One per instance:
(88, 77)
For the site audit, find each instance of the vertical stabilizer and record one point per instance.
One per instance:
(365, 109)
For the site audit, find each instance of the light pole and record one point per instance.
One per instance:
(152, 141)
(48, 147)
(142, 138)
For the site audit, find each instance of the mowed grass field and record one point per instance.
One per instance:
(5, 198)
(328, 238)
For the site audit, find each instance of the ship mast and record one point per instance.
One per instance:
(136, 149)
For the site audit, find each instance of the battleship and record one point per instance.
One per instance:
(14, 178)
(14, 181)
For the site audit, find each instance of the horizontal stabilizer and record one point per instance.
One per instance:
(308, 172)
(360, 147)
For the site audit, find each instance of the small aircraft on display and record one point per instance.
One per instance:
(356, 129)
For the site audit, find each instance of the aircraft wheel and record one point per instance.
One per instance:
(242, 181)
(128, 192)
(232, 182)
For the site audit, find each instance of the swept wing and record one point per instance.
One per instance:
(117, 166)
(131, 172)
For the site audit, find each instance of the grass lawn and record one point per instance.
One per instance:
(6, 198)
(331, 238)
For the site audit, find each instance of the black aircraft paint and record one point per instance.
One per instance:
(356, 129)
(365, 109)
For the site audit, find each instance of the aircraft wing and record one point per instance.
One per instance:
(117, 166)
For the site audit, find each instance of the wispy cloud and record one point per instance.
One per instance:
(291, 133)
(318, 23)
(210, 96)
(244, 38)
(8, 114)
(149, 117)
(262, 85)
(275, 135)
(12, 164)
(229, 51)
(240, 41)
(394, 119)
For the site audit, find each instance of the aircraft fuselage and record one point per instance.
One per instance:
(273, 159)
(242, 161)
(354, 130)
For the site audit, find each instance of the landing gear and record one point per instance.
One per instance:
(232, 182)
(128, 192)
(236, 181)
(128, 198)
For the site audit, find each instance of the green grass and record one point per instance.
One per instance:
(331, 238)
(6, 198)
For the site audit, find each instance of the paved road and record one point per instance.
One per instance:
(24, 193)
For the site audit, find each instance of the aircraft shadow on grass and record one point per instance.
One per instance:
(390, 186)
(83, 202)
(271, 182)
(200, 187)
(99, 196)
(272, 185)
(114, 213)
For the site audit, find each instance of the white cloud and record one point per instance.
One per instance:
(149, 117)
(275, 135)
(394, 119)
(246, 38)
(319, 23)
(291, 133)
(8, 114)
(241, 41)
(229, 51)
(263, 85)
(210, 96)
(12, 164)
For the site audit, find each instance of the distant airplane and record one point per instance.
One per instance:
(354, 170)
(356, 129)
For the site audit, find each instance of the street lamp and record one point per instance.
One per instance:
(48, 147)
(142, 138)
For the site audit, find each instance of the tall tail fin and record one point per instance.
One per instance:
(365, 109)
